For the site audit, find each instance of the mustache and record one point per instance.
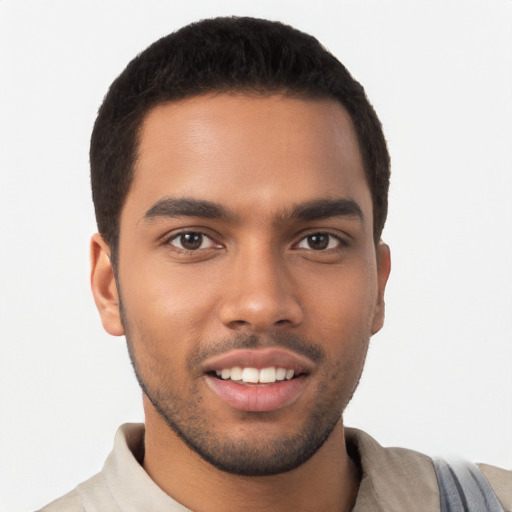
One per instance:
(294, 343)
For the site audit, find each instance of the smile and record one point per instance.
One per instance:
(260, 380)
(255, 376)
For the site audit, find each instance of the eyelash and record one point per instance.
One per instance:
(340, 242)
(182, 249)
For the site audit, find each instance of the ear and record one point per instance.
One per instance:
(383, 270)
(104, 287)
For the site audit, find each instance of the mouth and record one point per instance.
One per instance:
(250, 375)
(258, 380)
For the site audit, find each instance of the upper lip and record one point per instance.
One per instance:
(259, 358)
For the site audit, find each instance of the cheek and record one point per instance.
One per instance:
(167, 307)
(345, 302)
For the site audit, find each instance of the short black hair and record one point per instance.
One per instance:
(227, 54)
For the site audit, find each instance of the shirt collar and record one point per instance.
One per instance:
(392, 479)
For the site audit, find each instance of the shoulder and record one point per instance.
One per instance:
(93, 495)
(70, 502)
(398, 478)
(392, 478)
(501, 483)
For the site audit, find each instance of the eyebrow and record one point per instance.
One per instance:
(185, 207)
(319, 209)
(316, 209)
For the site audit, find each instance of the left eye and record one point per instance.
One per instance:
(191, 241)
(319, 242)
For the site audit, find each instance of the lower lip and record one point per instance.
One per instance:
(257, 397)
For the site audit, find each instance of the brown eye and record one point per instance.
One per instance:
(319, 242)
(191, 241)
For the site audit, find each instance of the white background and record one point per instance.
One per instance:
(438, 377)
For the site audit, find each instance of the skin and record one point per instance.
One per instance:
(256, 276)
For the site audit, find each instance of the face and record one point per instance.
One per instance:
(248, 278)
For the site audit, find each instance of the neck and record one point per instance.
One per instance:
(327, 481)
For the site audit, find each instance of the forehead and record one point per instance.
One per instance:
(239, 149)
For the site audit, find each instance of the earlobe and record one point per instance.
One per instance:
(104, 287)
(383, 270)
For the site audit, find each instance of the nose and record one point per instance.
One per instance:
(260, 294)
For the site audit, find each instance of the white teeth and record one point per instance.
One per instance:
(254, 376)
(250, 375)
(280, 374)
(236, 373)
(267, 375)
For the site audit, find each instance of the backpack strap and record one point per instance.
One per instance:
(463, 487)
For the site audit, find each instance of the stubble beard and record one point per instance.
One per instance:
(251, 454)
(246, 455)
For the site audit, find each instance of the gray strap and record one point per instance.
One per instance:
(463, 488)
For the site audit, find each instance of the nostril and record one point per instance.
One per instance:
(238, 323)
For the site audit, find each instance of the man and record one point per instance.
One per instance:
(240, 182)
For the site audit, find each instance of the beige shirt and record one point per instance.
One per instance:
(393, 479)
